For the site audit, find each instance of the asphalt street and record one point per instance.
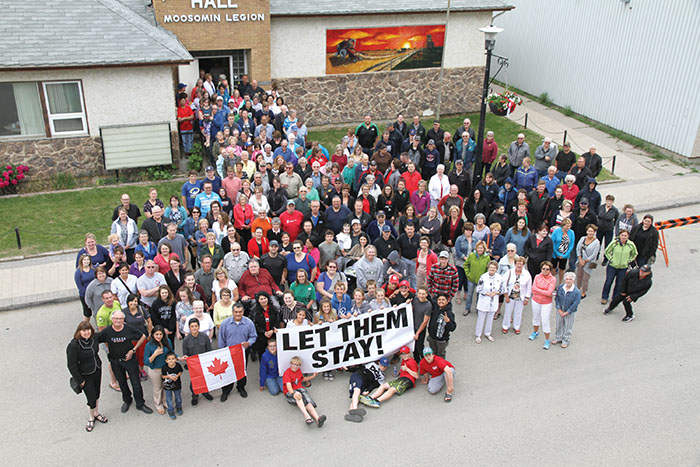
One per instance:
(621, 394)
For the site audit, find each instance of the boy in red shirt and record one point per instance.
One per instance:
(406, 380)
(435, 371)
(297, 395)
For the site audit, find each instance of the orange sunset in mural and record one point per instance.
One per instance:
(381, 49)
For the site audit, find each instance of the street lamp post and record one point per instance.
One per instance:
(490, 40)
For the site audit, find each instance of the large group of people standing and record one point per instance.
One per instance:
(281, 231)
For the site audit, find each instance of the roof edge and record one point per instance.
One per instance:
(93, 65)
(440, 10)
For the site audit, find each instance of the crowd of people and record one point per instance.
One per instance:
(281, 231)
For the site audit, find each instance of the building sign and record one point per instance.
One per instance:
(383, 49)
(209, 11)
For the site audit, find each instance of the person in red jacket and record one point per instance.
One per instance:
(489, 153)
(412, 177)
(291, 220)
(257, 279)
(185, 117)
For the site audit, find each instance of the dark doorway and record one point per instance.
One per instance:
(216, 66)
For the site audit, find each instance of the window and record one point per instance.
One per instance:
(24, 110)
(65, 108)
(20, 110)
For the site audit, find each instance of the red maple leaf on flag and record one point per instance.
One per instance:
(217, 367)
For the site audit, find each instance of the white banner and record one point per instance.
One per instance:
(347, 342)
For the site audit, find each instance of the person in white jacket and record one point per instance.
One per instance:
(490, 286)
(518, 290)
(128, 232)
(438, 186)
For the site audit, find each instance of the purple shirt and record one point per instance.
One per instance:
(421, 203)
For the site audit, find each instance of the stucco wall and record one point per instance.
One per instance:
(299, 43)
(116, 96)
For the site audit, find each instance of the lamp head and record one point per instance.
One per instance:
(490, 36)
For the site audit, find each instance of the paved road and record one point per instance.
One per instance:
(622, 394)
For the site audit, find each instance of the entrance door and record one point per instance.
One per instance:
(216, 66)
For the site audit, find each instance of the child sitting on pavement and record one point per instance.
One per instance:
(269, 370)
(297, 395)
(406, 380)
(367, 378)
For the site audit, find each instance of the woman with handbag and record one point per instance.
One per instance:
(85, 368)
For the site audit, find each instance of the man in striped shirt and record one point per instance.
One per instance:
(443, 277)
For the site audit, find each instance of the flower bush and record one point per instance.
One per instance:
(504, 101)
(12, 175)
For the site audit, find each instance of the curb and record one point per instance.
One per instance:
(38, 255)
(30, 301)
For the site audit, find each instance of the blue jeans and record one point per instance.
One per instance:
(169, 399)
(274, 385)
(540, 174)
(560, 175)
(471, 286)
(187, 137)
(573, 259)
(613, 274)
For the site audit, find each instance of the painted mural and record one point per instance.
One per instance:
(383, 49)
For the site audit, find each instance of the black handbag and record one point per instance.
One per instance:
(75, 385)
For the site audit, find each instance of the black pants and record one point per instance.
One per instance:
(196, 396)
(241, 382)
(418, 347)
(87, 312)
(91, 388)
(617, 299)
(120, 369)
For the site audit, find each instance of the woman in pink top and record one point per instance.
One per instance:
(543, 286)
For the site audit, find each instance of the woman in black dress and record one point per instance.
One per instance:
(85, 368)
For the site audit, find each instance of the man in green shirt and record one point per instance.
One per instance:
(104, 314)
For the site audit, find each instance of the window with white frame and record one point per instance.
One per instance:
(65, 107)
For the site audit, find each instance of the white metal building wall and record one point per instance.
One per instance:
(632, 65)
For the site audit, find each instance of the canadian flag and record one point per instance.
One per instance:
(215, 369)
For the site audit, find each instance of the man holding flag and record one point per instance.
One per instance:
(235, 330)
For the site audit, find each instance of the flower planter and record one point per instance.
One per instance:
(496, 111)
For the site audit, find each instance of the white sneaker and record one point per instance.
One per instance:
(478, 340)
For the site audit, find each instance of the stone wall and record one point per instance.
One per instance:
(347, 98)
(81, 157)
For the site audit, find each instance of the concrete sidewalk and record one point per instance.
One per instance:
(648, 184)
(631, 164)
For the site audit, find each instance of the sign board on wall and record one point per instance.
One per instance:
(215, 24)
(128, 146)
(359, 50)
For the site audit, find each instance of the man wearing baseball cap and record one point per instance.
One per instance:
(405, 293)
(443, 278)
(435, 370)
(365, 379)
(386, 243)
(408, 373)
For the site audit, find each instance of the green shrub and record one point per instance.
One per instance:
(544, 99)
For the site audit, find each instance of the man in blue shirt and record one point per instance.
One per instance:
(336, 215)
(211, 176)
(203, 200)
(285, 152)
(190, 189)
(235, 330)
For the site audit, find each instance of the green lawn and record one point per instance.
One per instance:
(505, 130)
(60, 220)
